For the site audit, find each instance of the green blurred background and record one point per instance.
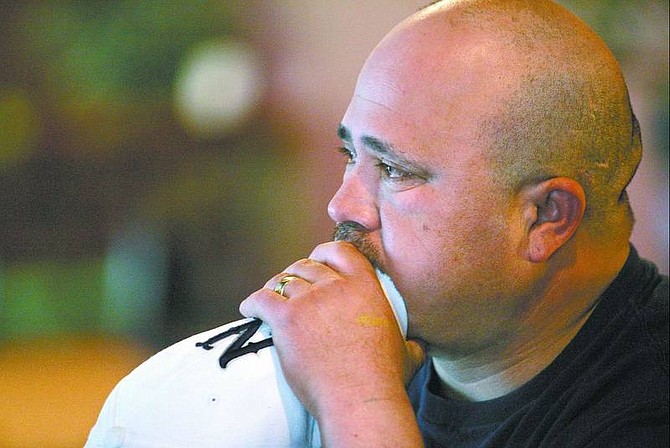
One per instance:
(159, 160)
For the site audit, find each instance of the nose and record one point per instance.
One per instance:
(354, 201)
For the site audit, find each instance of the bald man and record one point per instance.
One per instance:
(489, 144)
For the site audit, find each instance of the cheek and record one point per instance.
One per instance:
(433, 236)
(415, 229)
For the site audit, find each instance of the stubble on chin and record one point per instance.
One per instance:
(355, 234)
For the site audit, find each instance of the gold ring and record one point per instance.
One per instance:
(281, 284)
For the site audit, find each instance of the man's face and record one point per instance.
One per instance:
(425, 205)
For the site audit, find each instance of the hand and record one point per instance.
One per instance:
(340, 347)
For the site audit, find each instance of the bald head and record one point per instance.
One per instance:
(545, 92)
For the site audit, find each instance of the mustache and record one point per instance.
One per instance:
(356, 234)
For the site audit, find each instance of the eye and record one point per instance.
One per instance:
(347, 153)
(394, 173)
(399, 179)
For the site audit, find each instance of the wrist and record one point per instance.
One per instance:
(381, 417)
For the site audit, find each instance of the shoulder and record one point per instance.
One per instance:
(619, 392)
(649, 325)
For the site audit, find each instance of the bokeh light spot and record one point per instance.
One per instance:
(218, 86)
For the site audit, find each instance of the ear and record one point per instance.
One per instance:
(553, 211)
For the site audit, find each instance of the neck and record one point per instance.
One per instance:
(537, 339)
(479, 378)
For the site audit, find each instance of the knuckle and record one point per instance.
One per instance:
(301, 263)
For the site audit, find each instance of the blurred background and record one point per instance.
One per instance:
(159, 160)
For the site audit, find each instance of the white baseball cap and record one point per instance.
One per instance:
(220, 388)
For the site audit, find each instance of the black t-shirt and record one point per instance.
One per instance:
(608, 388)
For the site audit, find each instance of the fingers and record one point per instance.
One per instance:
(284, 284)
(342, 257)
(330, 259)
(328, 262)
(306, 269)
(264, 304)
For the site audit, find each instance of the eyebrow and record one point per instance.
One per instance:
(381, 147)
(343, 133)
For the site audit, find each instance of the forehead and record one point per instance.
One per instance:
(388, 125)
(427, 98)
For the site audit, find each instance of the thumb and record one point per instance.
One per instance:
(415, 355)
